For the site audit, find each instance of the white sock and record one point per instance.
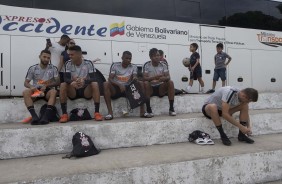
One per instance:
(188, 88)
(202, 89)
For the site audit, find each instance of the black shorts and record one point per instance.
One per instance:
(206, 115)
(61, 74)
(118, 93)
(197, 73)
(80, 94)
(156, 91)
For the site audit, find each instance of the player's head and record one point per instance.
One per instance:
(64, 40)
(193, 47)
(75, 54)
(161, 53)
(126, 58)
(154, 55)
(248, 95)
(45, 56)
(219, 47)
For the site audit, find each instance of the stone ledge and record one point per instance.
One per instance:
(172, 163)
(18, 140)
(14, 110)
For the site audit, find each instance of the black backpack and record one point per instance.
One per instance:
(53, 116)
(79, 114)
(83, 146)
(197, 134)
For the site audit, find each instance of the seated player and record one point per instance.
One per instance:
(45, 78)
(79, 83)
(121, 74)
(157, 82)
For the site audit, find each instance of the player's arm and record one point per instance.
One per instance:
(28, 85)
(229, 59)
(229, 118)
(61, 63)
(166, 76)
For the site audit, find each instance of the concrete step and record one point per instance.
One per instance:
(172, 163)
(19, 140)
(14, 110)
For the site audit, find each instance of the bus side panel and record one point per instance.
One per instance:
(240, 68)
(97, 49)
(25, 52)
(176, 68)
(5, 60)
(267, 75)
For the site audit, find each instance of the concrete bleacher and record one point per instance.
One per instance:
(139, 150)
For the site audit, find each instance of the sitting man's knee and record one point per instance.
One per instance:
(27, 92)
(53, 92)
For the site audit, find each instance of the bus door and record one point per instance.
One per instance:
(5, 60)
(210, 37)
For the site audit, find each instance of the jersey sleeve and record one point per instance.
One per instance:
(91, 68)
(227, 56)
(165, 67)
(227, 94)
(68, 67)
(55, 71)
(30, 73)
(197, 55)
(146, 67)
(113, 68)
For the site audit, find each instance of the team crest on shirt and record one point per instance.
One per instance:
(136, 95)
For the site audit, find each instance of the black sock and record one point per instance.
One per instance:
(97, 106)
(64, 108)
(32, 112)
(171, 102)
(244, 124)
(221, 131)
(148, 105)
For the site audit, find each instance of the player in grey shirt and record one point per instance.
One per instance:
(44, 77)
(220, 66)
(224, 102)
(157, 82)
(121, 74)
(79, 82)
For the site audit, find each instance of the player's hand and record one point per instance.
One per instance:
(74, 84)
(245, 130)
(80, 82)
(43, 88)
(97, 59)
(163, 79)
(122, 88)
(33, 89)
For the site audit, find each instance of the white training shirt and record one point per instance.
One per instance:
(226, 94)
(56, 50)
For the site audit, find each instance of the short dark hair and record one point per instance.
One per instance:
(75, 48)
(65, 37)
(220, 45)
(161, 52)
(195, 45)
(153, 51)
(126, 53)
(45, 51)
(251, 93)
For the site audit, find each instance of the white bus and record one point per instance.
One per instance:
(251, 34)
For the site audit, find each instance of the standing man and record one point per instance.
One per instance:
(157, 82)
(56, 49)
(121, 74)
(220, 66)
(224, 102)
(79, 83)
(45, 78)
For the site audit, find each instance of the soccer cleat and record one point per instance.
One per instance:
(210, 91)
(244, 138)
(172, 113)
(64, 118)
(37, 93)
(27, 120)
(226, 141)
(98, 116)
(34, 122)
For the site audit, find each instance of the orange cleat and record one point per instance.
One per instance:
(98, 116)
(37, 93)
(27, 120)
(64, 118)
